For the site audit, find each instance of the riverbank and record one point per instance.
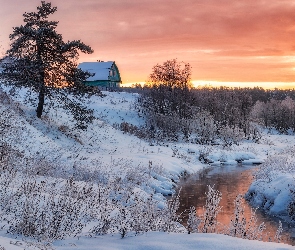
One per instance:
(274, 186)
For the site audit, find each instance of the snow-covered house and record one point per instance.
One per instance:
(106, 74)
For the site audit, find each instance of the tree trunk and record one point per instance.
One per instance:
(41, 102)
(40, 49)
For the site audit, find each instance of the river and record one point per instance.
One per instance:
(230, 181)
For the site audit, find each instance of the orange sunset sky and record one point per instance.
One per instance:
(247, 42)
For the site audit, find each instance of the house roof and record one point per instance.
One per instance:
(101, 69)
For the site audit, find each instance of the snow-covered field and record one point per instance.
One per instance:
(102, 148)
(150, 241)
(171, 241)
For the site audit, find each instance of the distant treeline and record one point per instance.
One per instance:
(210, 115)
(257, 93)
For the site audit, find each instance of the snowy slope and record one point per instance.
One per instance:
(103, 147)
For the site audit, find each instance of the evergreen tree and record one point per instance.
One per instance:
(39, 58)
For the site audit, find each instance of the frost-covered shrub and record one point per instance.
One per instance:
(139, 131)
(230, 136)
(136, 214)
(168, 216)
(204, 128)
(145, 213)
(100, 209)
(237, 227)
(278, 114)
(204, 154)
(44, 216)
(163, 127)
(278, 235)
(211, 210)
(255, 133)
(9, 125)
(254, 231)
(276, 164)
(193, 221)
(240, 227)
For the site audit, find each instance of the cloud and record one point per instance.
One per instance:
(215, 36)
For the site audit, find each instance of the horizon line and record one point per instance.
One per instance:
(200, 83)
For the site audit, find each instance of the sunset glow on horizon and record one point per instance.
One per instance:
(200, 83)
(243, 42)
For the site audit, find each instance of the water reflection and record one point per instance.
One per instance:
(230, 181)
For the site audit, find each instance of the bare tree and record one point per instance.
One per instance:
(168, 89)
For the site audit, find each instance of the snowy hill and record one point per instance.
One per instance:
(54, 149)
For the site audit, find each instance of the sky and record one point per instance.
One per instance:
(239, 41)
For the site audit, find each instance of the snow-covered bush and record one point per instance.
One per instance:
(204, 152)
(255, 133)
(240, 227)
(37, 204)
(139, 131)
(237, 227)
(230, 136)
(276, 164)
(278, 114)
(193, 221)
(168, 216)
(278, 235)
(133, 213)
(211, 210)
(204, 128)
(37, 209)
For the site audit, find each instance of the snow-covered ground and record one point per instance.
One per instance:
(105, 148)
(171, 241)
(149, 241)
(274, 185)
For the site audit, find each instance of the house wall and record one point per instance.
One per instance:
(114, 77)
(107, 84)
(97, 83)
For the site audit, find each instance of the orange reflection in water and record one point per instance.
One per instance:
(230, 181)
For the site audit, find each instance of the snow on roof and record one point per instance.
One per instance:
(101, 69)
